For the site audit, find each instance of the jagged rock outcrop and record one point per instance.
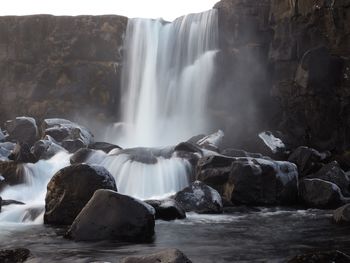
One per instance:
(58, 66)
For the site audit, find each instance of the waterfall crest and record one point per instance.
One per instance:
(167, 73)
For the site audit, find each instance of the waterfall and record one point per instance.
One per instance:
(167, 73)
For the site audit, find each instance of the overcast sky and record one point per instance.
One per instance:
(168, 9)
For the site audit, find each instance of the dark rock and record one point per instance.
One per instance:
(2, 136)
(6, 148)
(166, 256)
(104, 146)
(215, 171)
(273, 143)
(22, 129)
(11, 173)
(212, 142)
(240, 153)
(322, 194)
(22, 154)
(333, 173)
(199, 198)
(73, 145)
(263, 182)
(17, 255)
(342, 215)
(167, 209)
(307, 160)
(87, 155)
(124, 218)
(71, 188)
(46, 148)
(324, 256)
(71, 135)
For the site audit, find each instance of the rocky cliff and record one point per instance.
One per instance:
(58, 66)
(286, 64)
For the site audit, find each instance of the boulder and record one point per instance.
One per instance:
(274, 145)
(6, 148)
(199, 198)
(324, 256)
(167, 209)
(71, 135)
(113, 216)
(212, 142)
(214, 170)
(46, 148)
(11, 173)
(22, 154)
(71, 188)
(2, 136)
(307, 160)
(319, 193)
(164, 256)
(263, 182)
(87, 155)
(342, 215)
(332, 172)
(104, 146)
(17, 255)
(22, 129)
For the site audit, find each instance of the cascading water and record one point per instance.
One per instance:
(167, 73)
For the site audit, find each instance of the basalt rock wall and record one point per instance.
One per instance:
(60, 66)
(286, 65)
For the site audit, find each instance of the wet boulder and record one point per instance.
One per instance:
(263, 182)
(273, 144)
(22, 129)
(113, 216)
(166, 256)
(167, 209)
(322, 194)
(214, 170)
(22, 154)
(17, 255)
(212, 142)
(46, 148)
(307, 160)
(200, 198)
(11, 173)
(6, 148)
(70, 135)
(342, 215)
(104, 146)
(86, 155)
(332, 172)
(71, 188)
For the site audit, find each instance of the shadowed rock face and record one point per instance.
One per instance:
(57, 66)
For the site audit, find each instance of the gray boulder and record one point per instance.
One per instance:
(164, 256)
(322, 194)
(46, 148)
(263, 182)
(167, 209)
(71, 188)
(113, 216)
(23, 129)
(342, 215)
(200, 198)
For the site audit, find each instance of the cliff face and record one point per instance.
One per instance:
(58, 66)
(298, 75)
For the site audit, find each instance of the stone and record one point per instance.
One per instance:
(124, 218)
(199, 198)
(332, 172)
(322, 194)
(22, 154)
(104, 146)
(342, 215)
(17, 255)
(71, 188)
(164, 256)
(307, 160)
(167, 209)
(46, 148)
(11, 173)
(263, 182)
(22, 129)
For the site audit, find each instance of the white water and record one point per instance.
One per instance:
(167, 73)
(33, 191)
